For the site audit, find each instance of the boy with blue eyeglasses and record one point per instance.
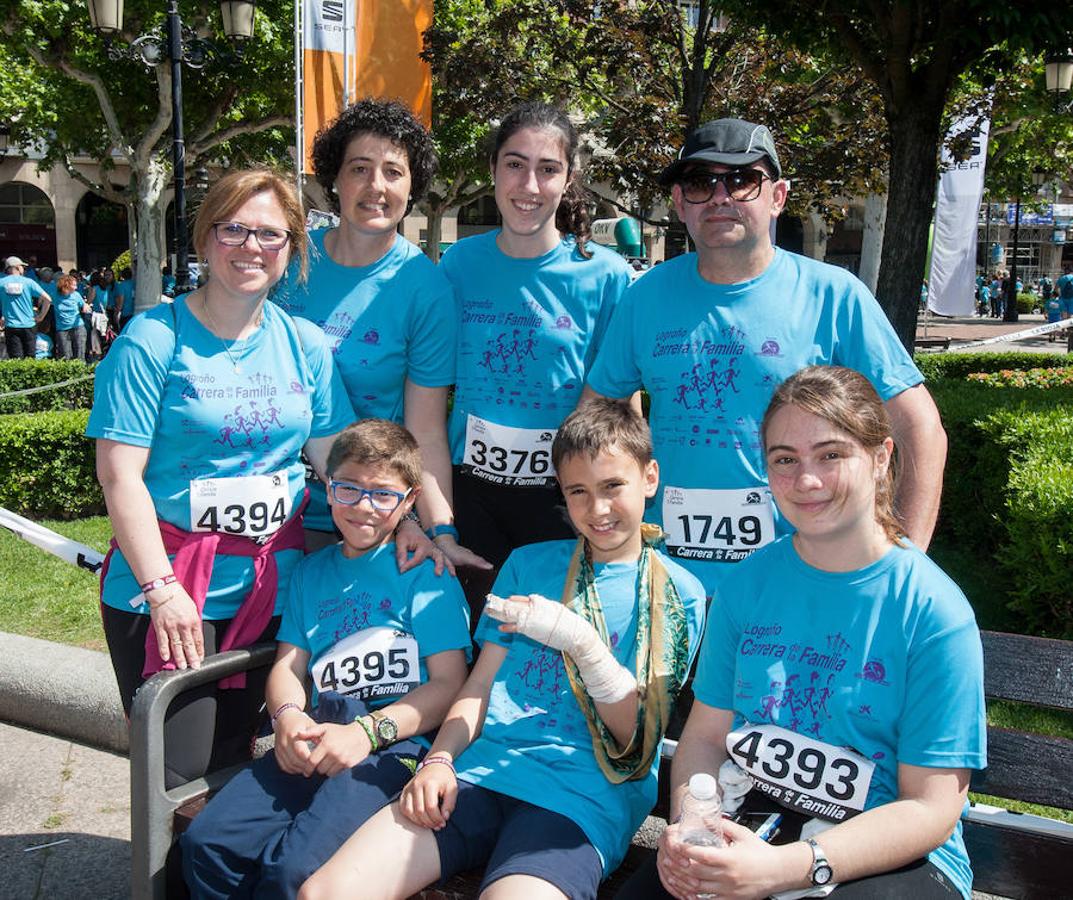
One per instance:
(387, 654)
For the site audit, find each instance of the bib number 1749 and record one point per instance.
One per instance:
(704, 529)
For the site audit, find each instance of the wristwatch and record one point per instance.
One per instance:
(386, 728)
(821, 869)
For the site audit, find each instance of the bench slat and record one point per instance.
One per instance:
(1027, 767)
(1028, 669)
(1016, 864)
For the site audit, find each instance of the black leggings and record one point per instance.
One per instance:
(493, 519)
(206, 728)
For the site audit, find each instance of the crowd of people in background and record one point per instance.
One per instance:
(1053, 297)
(50, 314)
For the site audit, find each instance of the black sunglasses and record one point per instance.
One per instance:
(740, 184)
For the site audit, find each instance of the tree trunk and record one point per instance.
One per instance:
(434, 231)
(151, 183)
(875, 214)
(915, 138)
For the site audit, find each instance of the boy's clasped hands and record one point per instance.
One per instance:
(305, 747)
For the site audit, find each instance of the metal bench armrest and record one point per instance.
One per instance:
(151, 806)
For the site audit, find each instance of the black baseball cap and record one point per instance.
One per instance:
(731, 142)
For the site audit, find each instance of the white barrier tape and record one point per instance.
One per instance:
(1017, 335)
(47, 387)
(69, 551)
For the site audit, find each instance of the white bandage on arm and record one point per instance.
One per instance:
(551, 623)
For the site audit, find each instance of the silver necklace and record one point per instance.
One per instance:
(216, 328)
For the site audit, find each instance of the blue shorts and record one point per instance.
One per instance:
(511, 837)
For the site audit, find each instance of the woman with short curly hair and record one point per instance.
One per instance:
(388, 312)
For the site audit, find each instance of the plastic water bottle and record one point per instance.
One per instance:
(701, 825)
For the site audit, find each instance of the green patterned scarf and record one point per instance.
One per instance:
(662, 656)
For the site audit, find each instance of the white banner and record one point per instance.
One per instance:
(70, 551)
(951, 290)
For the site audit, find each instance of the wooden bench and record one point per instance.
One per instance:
(932, 343)
(1013, 855)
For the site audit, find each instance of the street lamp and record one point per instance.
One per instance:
(1058, 68)
(178, 45)
(5, 137)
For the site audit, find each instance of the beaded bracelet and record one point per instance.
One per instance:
(374, 744)
(279, 712)
(442, 760)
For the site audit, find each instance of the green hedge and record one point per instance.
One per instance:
(958, 365)
(20, 374)
(1005, 531)
(47, 466)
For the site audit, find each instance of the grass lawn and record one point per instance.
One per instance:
(43, 596)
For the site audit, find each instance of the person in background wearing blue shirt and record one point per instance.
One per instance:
(70, 328)
(535, 298)
(842, 671)
(23, 304)
(124, 298)
(555, 737)
(387, 654)
(710, 334)
(167, 282)
(387, 310)
(202, 411)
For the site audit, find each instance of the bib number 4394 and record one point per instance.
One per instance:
(254, 506)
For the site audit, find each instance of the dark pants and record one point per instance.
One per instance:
(493, 519)
(206, 728)
(20, 342)
(267, 831)
(71, 344)
(920, 880)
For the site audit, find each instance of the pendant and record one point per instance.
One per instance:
(238, 370)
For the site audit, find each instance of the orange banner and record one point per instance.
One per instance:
(382, 39)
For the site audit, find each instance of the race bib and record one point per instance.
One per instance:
(810, 776)
(721, 526)
(13, 288)
(253, 506)
(370, 664)
(505, 455)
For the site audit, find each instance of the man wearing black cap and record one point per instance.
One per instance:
(17, 303)
(711, 334)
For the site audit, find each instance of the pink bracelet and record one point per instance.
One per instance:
(157, 583)
(442, 760)
(279, 712)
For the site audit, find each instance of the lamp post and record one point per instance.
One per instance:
(1058, 69)
(1039, 177)
(180, 45)
(5, 138)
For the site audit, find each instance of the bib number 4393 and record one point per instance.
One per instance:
(804, 774)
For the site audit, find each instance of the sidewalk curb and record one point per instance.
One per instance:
(64, 690)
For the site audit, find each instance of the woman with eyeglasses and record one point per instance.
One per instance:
(202, 410)
(387, 310)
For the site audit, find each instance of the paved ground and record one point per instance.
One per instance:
(55, 791)
(963, 330)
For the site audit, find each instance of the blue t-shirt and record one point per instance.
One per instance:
(104, 297)
(1064, 288)
(125, 289)
(528, 334)
(1053, 307)
(885, 660)
(333, 598)
(710, 357)
(168, 385)
(42, 346)
(17, 293)
(68, 311)
(535, 744)
(388, 322)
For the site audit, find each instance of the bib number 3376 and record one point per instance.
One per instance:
(506, 455)
(811, 776)
(252, 506)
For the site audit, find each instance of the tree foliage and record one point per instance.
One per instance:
(912, 52)
(83, 103)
